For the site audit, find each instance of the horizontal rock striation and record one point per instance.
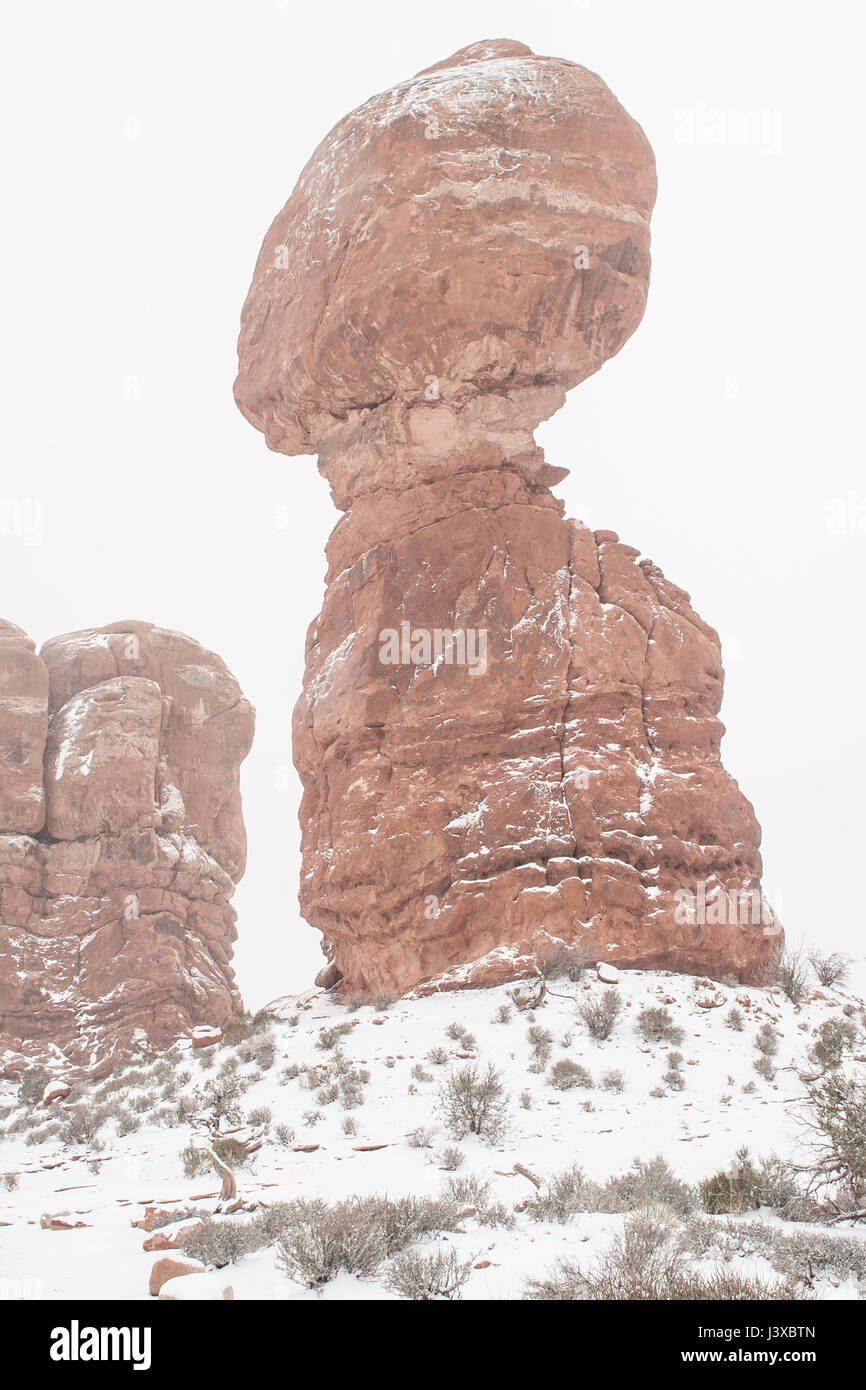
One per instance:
(508, 735)
(119, 859)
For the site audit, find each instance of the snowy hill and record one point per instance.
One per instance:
(336, 1104)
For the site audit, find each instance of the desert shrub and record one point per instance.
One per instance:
(33, 1083)
(673, 1078)
(646, 1262)
(420, 1138)
(140, 1104)
(469, 1191)
(655, 1025)
(735, 1019)
(10, 1181)
(613, 1080)
(451, 1158)
(766, 1040)
(495, 1215)
(832, 1040)
(82, 1122)
(641, 1263)
(349, 1125)
(801, 1256)
(541, 1041)
(329, 1037)
(195, 1162)
(260, 1115)
(788, 969)
(455, 1031)
(599, 1013)
(383, 1001)
(562, 1195)
(419, 1073)
(832, 969)
(834, 1120)
(357, 1234)
(565, 1074)
(284, 1135)
(439, 1056)
(565, 962)
(474, 1102)
(424, 1277)
(748, 1184)
(351, 1094)
(261, 1049)
(243, 1026)
(502, 1014)
(647, 1182)
(220, 1242)
(764, 1067)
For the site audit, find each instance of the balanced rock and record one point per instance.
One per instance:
(508, 735)
(119, 859)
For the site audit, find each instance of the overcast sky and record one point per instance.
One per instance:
(149, 143)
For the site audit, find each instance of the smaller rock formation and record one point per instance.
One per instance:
(121, 842)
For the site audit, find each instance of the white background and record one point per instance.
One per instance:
(148, 146)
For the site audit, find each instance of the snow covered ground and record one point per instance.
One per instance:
(393, 1137)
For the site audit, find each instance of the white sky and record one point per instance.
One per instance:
(148, 146)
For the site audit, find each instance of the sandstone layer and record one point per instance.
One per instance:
(121, 842)
(459, 252)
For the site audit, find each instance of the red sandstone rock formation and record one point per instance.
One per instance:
(121, 841)
(459, 252)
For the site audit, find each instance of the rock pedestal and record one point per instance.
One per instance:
(508, 735)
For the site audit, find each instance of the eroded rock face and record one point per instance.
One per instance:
(508, 734)
(116, 925)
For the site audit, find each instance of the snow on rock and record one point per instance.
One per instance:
(608, 974)
(117, 926)
(508, 733)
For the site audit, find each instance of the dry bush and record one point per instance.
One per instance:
(474, 1102)
(766, 1040)
(748, 1184)
(832, 969)
(424, 1277)
(599, 1013)
(834, 1120)
(565, 962)
(315, 1241)
(648, 1183)
(646, 1262)
(832, 1040)
(788, 968)
(566, 1074)
(655, 1025)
